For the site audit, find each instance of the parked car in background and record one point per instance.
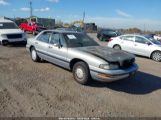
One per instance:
(32, 27)
(106, 34)
(138, 44)
(82, 55)
(10, 32)
(157, 37)
(74, 29)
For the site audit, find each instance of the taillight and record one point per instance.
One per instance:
(110, 39)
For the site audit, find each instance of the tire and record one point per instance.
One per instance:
(4, 43)
(117, 47)
(81, 73)
(34, 55)
(156, 56)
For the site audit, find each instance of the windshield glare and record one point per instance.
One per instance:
(79, 40)
(8, 26)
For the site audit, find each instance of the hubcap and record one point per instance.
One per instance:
(157, 56)
(33, 54)
(79, 73)
(117, 47)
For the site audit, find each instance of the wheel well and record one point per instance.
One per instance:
(31, 48)
(74, 61)
(116, 45)
(153, 52)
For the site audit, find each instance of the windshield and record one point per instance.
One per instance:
(79, 40)
(112, 33)
(38, 24)
(8, 26)
(153, 40)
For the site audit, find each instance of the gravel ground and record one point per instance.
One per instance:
(29, 89)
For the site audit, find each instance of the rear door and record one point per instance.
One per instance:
(127, 43)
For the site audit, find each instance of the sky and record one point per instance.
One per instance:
(144, 14)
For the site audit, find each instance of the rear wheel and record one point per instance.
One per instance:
(156, 56)
(81, 73)
(117, 47)
(34, 55)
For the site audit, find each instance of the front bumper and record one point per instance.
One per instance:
(113, 75)
(15, 40)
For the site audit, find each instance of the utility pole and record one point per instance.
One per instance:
(144, 28)
(84, 14)
(30, 8)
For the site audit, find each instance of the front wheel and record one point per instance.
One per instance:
(81, 73)
(34, 55)
(4, 43)
(156, 56)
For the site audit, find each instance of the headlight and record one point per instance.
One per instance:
(109, 66)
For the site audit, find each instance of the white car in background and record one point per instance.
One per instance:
(10, 32)
(138, 44)
(157, 37)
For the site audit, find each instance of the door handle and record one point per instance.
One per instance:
(36, 42)
(50, 47)
(135, 45)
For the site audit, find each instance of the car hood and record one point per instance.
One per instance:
(10, 31)
(108, 54)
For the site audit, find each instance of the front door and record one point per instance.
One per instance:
(57, 50)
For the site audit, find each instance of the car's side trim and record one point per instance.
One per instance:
(52, 56)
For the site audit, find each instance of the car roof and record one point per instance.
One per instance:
(5, 20)
(62, 31)
(132, 35)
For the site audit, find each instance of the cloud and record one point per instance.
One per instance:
(25, 9)
(123, 14)
(42, 9)
(3, 2)
(54, 1)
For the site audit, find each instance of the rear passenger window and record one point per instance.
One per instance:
(128, 38)
(44, 37)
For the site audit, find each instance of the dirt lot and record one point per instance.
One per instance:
(42, 89)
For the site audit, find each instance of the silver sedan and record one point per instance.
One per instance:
(138, 44)
(82, 55)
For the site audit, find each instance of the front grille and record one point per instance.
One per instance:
(14, 36)
(126, 63)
